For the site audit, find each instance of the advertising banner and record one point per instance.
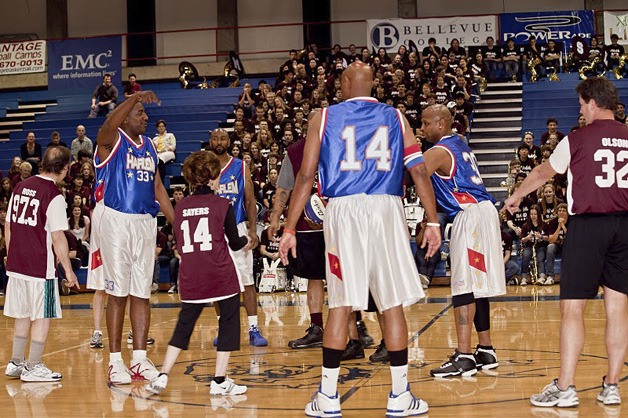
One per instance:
(557, 26)
(81, 63)
(390, 34)
(23, 57)
(616, 23)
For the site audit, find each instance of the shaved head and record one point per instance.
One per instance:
(438, 111)
(219, 142)
(357, 80)
(437, 121)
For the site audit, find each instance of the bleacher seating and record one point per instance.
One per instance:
(545, 99)
(190, 115)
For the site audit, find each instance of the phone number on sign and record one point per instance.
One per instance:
(22, 63)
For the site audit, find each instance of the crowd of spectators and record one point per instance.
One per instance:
(273, 115)
(534, 60)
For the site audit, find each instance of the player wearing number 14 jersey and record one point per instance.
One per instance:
(205, 229)
(477, 268)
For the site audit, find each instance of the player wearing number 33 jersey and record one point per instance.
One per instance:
(124, 220)
(125, 181)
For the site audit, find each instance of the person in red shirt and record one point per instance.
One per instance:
(207, 273)
(132, 87)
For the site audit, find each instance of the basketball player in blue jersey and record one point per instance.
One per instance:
(236, 185)
(477, 268)
(358, 147)
(129, 194)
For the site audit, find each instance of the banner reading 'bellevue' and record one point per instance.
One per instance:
(390, 34)
(81, 63)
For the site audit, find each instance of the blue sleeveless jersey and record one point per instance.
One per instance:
(125, 181)
(463, 186)
(232, 187)
(361, 149)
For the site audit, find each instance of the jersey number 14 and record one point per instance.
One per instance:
(377, 149)
(201, 236)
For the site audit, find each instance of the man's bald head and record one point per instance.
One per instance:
(437, 121)
(357, 80)
(438, 111)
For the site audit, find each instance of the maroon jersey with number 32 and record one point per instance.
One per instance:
(206, 270)
(598, 168)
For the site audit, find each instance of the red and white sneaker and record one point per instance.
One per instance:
(118, 373)
(143, 370)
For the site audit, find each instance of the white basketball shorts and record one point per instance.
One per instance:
(34, 299)
(367, 247)
(477, 264)
(122, 252)
(243, 261)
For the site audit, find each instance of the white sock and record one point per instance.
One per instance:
(139, 354)
(252, 321)
(113, 357)
(329, 381)
(97, 331)
(399, 375)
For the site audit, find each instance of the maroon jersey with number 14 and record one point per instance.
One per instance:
(206, 270)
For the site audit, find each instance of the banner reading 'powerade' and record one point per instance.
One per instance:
(81, 63)
(557, 26)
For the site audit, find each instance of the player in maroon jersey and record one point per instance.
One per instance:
(207, 272)
(36, 219)
(595, 251)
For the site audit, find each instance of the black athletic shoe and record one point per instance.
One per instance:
(313, 338)
(381, 354)
(353, 351)
(363, 333)
(485, 359)
(457, 365)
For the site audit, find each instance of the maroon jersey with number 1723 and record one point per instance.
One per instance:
(30, 249)
(206, 270)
